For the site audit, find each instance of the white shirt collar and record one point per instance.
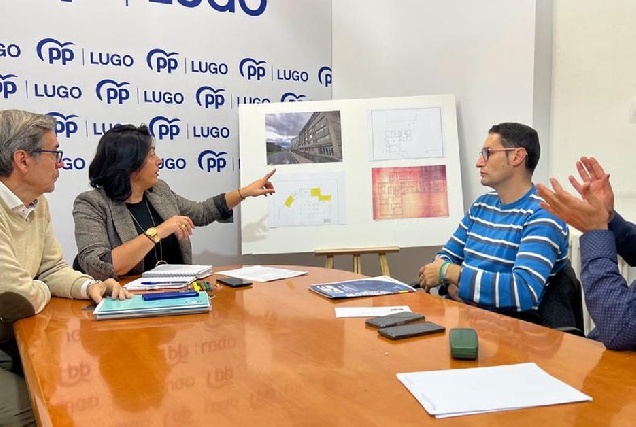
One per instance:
(14, 203)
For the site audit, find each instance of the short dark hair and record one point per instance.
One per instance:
(515, 135)
(120, 152)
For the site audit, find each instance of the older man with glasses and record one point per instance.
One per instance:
(507, 246)
(31, 258)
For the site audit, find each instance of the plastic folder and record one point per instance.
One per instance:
(136, 307)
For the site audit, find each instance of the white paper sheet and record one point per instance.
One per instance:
(258, 273)
(455, 392)
(369, 311)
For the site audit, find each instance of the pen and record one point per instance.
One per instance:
(164, 283)
(169, 295)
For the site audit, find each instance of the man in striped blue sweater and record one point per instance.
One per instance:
(506, 247)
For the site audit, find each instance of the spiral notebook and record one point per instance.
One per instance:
(177, 270)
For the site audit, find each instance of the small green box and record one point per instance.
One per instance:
(463, 343)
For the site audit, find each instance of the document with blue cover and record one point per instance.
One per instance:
(110, 308)
(370, 286)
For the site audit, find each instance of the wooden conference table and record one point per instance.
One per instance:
(275, 355)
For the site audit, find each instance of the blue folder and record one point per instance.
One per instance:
(110, 308)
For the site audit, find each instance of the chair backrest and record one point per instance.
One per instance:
(562, 304)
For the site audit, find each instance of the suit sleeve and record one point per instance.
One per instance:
(610, 301)
(91, 235)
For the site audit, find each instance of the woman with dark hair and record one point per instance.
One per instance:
(132, 221)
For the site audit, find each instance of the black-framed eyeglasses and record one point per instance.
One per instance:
(485, 152)
(59, 154)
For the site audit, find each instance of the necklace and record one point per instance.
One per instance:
(158, 256)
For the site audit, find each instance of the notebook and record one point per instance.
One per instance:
(175, 270)
(110, 308)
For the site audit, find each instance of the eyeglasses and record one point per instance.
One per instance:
(59, 154)
(485, 152)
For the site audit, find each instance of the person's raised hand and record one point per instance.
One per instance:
(259, 187)
(584, 215)
(592, 173)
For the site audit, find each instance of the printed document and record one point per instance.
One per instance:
(454, 392)
(258, 273)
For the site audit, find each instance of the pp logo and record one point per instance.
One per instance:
(251, 68)
(291, 97)
(171, 163)
(51, 50)
(162, 127)
(210, 160)
(229, 5)
(159, 60)
(64, 125)
(324, 76)
(73, 164)
(110, 91)
(292, 75)
(209, 97)
(7, 86)
(10, 50)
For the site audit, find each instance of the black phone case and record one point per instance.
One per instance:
(411, 330)
(233, 282)
(394, 319)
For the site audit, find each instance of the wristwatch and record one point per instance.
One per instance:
(153, 234)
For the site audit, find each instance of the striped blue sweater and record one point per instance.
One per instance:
(508, 252)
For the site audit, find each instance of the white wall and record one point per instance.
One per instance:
(594, 92)
(490, 53)
(494, 55)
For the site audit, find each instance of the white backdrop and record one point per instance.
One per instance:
(182, 67)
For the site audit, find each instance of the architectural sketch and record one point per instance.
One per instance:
(307, 200)
(409, 192)
(406, 133)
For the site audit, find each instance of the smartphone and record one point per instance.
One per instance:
(394, 319)
(233, 282)
(411, 330)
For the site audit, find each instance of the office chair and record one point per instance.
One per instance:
(562, 304)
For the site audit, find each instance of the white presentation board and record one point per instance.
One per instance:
(352, 173)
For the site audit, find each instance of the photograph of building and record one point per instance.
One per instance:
(313, 137)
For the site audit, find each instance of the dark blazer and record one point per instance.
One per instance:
(102, 224)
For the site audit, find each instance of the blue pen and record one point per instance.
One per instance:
(169, 295)
(164, 283)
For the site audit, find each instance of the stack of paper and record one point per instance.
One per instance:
(152, 283)
(455, 392)
(258, 273)
(110, 308)
(172, 270)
